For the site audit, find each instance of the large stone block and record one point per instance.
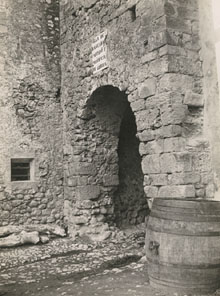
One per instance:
(168, 163)
(181, 191)
(85, 3)
(174, 114)
(147, 118)
(88, 192)
(181, 65)
(147, 135)
(200, 193)
(210, 191)
(179, 24)
(175, 82)
(193, 99)
(170, 10)
(184, 178)
(82, 168)
(185, 162)
(159, 66)
(197, 144)
(152, 9)
(156, 40)
(151, 191)
(82, 180)
(159, 179)
(172, 50)
(151, 164)
(174, 144)
(167, 99)
(110, 180)
(149, 57)
(176, 162)
(138, 105)
(72, 182)
(206, 177)
(147, 89)
(152, 147)
(123, 11)
(190, 13)
(159, 24)
(143, 7)
(23, 237)
(171, 131)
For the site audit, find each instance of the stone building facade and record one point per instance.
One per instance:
(30, 112)
(102, 143)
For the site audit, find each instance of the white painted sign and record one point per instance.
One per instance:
(99, 52)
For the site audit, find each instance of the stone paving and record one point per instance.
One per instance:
(63, 258)
(128, 280)
(77, 268)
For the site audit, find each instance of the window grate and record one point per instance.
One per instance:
(20, 169)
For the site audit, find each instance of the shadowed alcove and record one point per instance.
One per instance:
(108, 140)
(129, 199)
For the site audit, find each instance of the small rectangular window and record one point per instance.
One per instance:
(21, 169)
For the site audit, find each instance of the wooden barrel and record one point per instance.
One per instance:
(183, 245)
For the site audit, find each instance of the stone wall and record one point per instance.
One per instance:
(184, 165)
(154, 56)
(71, 127)
(211, 85)
(30, 111)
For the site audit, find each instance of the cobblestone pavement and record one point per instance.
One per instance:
(64, 267)
(62, 259)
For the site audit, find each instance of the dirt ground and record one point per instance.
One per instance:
(63, 267)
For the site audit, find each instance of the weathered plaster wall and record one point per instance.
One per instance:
(154, 56)
(30, 111)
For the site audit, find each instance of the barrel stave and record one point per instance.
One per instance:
(187, 258)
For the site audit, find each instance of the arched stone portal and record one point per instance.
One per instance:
(108, 142)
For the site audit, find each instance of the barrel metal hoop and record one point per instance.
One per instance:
(184, 232)
(184, 266)
(176, 285)
(184, 218)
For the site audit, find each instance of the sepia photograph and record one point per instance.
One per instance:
(109, 147)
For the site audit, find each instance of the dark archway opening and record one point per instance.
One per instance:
(106, 143)
(129, 200)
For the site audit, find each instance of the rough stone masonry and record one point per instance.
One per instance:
(31, 115)
(100, 144)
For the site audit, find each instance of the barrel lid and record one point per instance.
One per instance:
(185, 203)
